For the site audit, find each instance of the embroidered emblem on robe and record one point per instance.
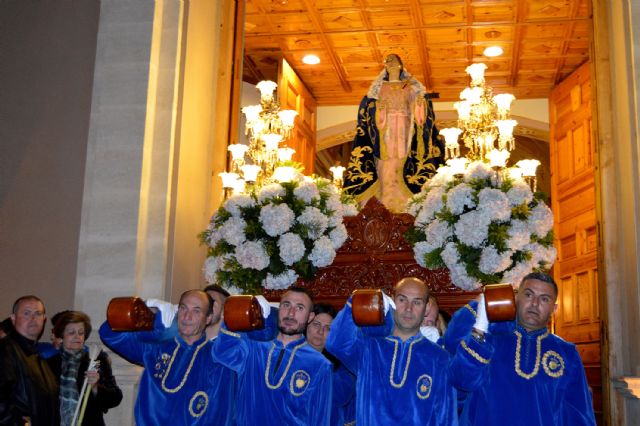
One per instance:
(198, 404)
(299, 382)
(553, 364)
(423, 386)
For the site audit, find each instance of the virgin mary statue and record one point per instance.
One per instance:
(396, 148)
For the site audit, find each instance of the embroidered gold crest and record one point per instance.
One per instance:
(423, 386)
(198, 404)
(299, 382)
(553, 364)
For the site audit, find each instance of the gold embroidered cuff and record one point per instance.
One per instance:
(473, 353)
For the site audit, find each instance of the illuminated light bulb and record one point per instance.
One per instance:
(228, 179)
(528, 167)
(266, 89)
(515, 173)
(285, 154)
(505, 127)
(250, 172)
(238, 151)
(311, 59)
(492, 51)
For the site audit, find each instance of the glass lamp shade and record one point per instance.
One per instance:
(457, 165)
(528, 167)
(252, 112)
(287, 116)
(515, 173)
(266, 88)
(337, 172)
(228, 179)
(505, 127)
(271, 141)
(476, 71)
(503, 101)
(285, 154)
(239, 186)
(473, 95)
(238, 151)
(463, 108)
(451, 135)
(284, 174)
(498, 157)
(250, 172)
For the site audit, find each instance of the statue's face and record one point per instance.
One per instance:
(392, 63)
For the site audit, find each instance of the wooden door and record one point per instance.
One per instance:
(293, 94)
(574, 205)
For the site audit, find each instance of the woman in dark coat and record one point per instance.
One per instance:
(70, 367)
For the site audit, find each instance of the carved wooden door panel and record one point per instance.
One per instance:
(574, 205)
(293, 94)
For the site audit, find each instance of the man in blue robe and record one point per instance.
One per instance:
(180, 384)
(517, 372)
(283, 381)
(402, 378)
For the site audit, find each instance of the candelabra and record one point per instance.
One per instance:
(256, 164)
(483, 119)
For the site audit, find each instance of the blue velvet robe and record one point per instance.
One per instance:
(206, 398)
(297, 393)
(384, 395)
(554, 390)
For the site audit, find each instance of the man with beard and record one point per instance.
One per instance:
(179, 386)
(283, 381)
(28, 387)
(402, 378)
(517, 372)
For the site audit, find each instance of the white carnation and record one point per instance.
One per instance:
(269, 192)
(491, 261)
(520, 193)
(233, 230)
(315, 221)
(432, 204)
(472, 228)
(514, 275)
(519, 235)
(441, 178)
(212, 265)
(450, 255)
(541, 256)
(338, 235)
(232, 289)
(459, 197)
(307, 191)
(276, 219)
(291, 248)
(540, 220)
(349, 210)
(437, 233)
(323, 252)
(237, 202)
(494, 204)
(251, 254)
(462, 279)
(477, 170)
(280, 282)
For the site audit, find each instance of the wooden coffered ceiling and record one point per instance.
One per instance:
(543, 42)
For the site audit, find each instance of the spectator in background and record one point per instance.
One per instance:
(47, 350)
(28, 387)
(70, 365)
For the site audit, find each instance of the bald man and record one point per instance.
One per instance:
(402, 378)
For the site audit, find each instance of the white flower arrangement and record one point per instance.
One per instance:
(485, 230)
(273, 237)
